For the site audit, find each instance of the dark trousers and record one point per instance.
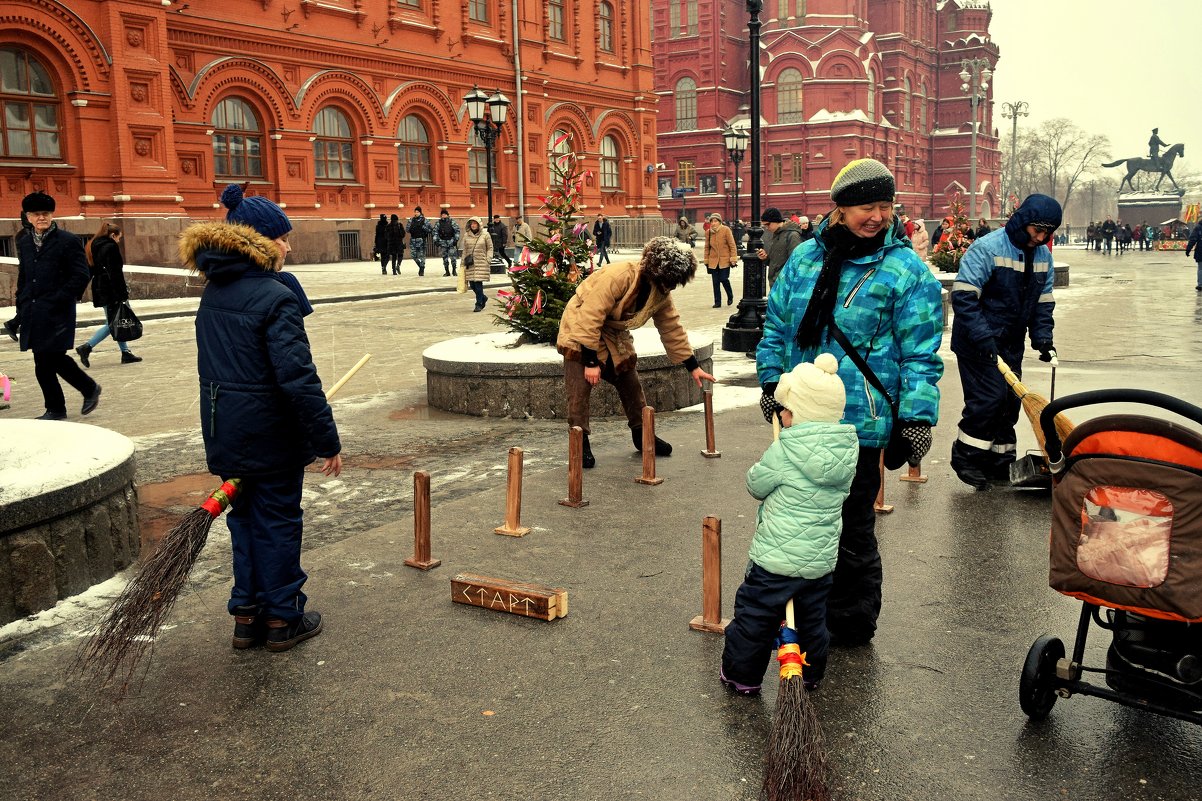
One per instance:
(265, 522)
(603, 255)
(854, 603)
(721, 280)
(384, 257)
(450, 260)
(478, 288)
(760, 608)
(986, 438)
(48, 367)
(630, 392)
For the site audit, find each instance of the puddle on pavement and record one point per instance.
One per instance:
(421, 411)
(371, 461)
(162, 504)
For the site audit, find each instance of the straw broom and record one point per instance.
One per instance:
(795, 767)
(1033, 405)
(128, 630)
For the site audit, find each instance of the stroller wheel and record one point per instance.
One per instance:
(1037, 688)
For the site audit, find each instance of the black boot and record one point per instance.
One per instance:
(249, 627)
(967, 463)
(128, 357)
(587, 459)
(282, 635)
(84, 351)
(661, 448)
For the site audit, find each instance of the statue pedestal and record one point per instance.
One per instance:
(1148, 207)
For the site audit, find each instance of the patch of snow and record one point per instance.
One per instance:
(501, 348)
(39, 456)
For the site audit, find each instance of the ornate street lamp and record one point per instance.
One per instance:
(735, 140)
(1012, 111)
(974, 77)
(744, 329)
(487, 114)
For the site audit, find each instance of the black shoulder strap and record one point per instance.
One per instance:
(859, 362)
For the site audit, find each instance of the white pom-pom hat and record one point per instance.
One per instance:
(813, 392)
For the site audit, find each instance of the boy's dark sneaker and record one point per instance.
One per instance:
(741, 689)
(661, 448)
(282, 635)
(249, 628)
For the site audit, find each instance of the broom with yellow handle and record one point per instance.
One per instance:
(1033, 404)
(128, 629)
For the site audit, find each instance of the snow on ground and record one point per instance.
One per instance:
(40, 455)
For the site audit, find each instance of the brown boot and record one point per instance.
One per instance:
(249, 630)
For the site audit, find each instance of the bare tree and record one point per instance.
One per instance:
(1061, 152)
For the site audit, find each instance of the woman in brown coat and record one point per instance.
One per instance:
(477, 257)
(720, 255)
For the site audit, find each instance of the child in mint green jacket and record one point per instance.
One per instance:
(802, 479)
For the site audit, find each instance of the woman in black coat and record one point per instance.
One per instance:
(109, 290)
(394, 239)
(52, 274)
(380, 245)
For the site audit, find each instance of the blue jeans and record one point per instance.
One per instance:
(266, 522)
(478, 288)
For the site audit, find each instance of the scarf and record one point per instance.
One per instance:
(841, 245)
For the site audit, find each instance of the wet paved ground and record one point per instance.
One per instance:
(407, 696)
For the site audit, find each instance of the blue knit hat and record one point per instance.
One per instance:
(258, 212)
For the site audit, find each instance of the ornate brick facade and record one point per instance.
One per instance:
(337, 109)
(841, 80)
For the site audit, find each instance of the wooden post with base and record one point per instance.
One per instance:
(710, 619)
(711, 451)
(914, 474)
(513, 498)
(575, 468)
(879, 506)
(648, 476)
(421, 524)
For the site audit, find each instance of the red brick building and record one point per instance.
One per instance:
(841, 80)
(140, 111)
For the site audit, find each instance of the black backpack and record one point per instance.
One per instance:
(417, 227)
(445, 230)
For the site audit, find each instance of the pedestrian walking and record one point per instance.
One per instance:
(802, 481)
(721, 254)
(806, 227)
(602, 234)
(419, 228)
(380, 244)
(1002, 293)
(781, 238)
(920, 241)
(13, 325)
(109, 290)
(858, 277)
(685, 232)
(500, 240)
(477, 259)
(263, 415)
(595, 340)
(394, 244)
(446, 237)
(52, 274)
(522, 235)
(1195, 244)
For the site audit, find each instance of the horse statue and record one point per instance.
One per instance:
(1162, 166)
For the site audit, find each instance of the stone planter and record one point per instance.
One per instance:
(68, 512)
(484, 376)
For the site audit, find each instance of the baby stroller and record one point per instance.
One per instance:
(1127, 541)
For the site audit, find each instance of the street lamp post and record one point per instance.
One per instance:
(745, 327)
(487, 114)
(1012, 111)
(974, 76)
(735, 140)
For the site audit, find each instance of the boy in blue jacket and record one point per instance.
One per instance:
(803, 479)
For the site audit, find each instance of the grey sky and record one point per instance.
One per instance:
(1113, 67)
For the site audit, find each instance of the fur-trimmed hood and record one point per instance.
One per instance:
(219, 250)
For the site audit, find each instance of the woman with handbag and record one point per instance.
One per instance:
(860, 292)
(477, 257)
(109, 290)
(721, 254)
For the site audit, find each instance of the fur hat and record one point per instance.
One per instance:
(803, 220)
(813, 392)
(713, 215)
(37, 201)
(863, 181)
(668, 263)
(258, 212)
(771, 215)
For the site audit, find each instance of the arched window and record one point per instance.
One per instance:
(237, 142)
(477, 159)
(31, 108)
(686, 104)
(611, 177)
(333, 153)
(872, 94)
(788, 96)
(413, 154)
(605, 27)
(906, 90)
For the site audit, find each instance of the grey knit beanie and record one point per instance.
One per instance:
(863, 181)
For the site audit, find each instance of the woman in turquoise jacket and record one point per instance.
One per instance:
(859, 273)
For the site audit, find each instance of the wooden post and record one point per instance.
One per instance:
(879, 505)
(575, 468)
(513, 498)
(914, 474)
(648, 476)
(421, 524)
(710, 452)
(710, 618)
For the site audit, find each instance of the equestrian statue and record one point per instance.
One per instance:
(1154, 163)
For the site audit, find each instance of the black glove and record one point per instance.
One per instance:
(908, 443)
(768, 403)
(988, 348)
(1047, 351)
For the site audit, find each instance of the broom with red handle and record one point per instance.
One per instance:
(128, 629)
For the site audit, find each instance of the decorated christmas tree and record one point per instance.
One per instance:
(550, 267)
(946, 254)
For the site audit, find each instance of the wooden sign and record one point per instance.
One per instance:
(514, 597)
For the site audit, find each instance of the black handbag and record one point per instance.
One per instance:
(898, 451)
(469, 260)
(126, 327)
